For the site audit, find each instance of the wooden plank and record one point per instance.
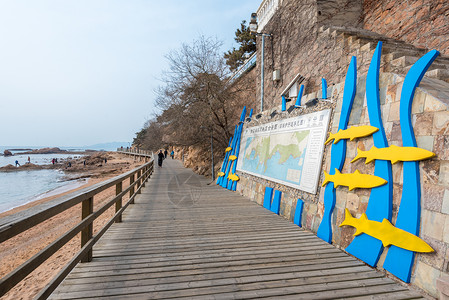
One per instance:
(219, 248)
(191, 289)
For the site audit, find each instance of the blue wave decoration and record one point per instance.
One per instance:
(225, 162)
(298, 99)
(380, 202)
(399, 261)
(284, 103)
(267, 197)
(338, 151)
(297, 219)
(236, 149)
(323, 88)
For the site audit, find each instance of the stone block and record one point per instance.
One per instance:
(315, 223)
(385, 111)
(441, 123)
(259, 199)
(446, 230)
(362, 208)
(444, 173)
(352, 203)
(341, 199)
(312, 209)
(445, 206)
(434, 259)
(393, 114)
(418, 102)
(441, 147)
(433, 224)
(432, 104)
(443, 287)
(388, 127)
(432, 197)
(430, 171)
(425, 142)
(382, 257)
(391, 93)
(397, 173)
(426, 277)
(423, 124)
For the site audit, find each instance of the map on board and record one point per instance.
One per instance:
(289, 151)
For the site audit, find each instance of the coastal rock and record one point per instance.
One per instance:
(8, 168)
(45, 151)
(7, 153)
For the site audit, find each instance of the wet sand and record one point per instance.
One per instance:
(18, 249)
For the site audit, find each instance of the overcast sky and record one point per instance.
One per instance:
(81, 72)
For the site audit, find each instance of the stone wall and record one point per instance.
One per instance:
(340, 12)
(423, 23)
(431, 124)
(296, 46)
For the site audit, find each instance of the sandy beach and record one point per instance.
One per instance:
(17, 250)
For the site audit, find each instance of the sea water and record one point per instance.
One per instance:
(20, 187)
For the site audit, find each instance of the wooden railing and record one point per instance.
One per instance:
(127, 150)
(13, 225)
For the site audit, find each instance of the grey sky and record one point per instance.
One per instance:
(81, 72)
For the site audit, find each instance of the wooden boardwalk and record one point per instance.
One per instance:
(186, 239)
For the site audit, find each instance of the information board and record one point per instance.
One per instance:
(288, 151)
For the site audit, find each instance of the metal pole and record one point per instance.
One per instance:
(212, 150)
(262, 73)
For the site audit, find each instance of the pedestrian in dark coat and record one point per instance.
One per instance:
(160, 158)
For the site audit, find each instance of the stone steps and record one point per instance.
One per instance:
(397, 56)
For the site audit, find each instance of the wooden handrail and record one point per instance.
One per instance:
(13, 225)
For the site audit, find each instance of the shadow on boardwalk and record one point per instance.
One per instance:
(184, 238)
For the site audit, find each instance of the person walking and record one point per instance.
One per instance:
(160, 158)
(17, 163)
(172, 154)
(165, 153)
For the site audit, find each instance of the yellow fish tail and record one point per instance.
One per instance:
(326, 178)
(360, 154)
(348, 221)
(331, 137)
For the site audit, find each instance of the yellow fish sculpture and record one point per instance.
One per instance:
(232, 157)
(353, 180)
(221, 174)
(394, 154)
(351, 133)
(228, 149)
(386, 232)
(233, 177)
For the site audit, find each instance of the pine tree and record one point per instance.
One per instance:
(236, 57)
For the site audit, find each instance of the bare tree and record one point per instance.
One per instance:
(197, 99)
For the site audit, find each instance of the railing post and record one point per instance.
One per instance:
(139, 181)
(131, 190)
(118, 204)
(144, 179)
(87, 208)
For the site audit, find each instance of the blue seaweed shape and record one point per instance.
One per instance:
(380, 202)
(338, 151)
(400, 261)
(323, 88)
(298, 99)
(224, 181)
(236, 150)
(225, 161)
